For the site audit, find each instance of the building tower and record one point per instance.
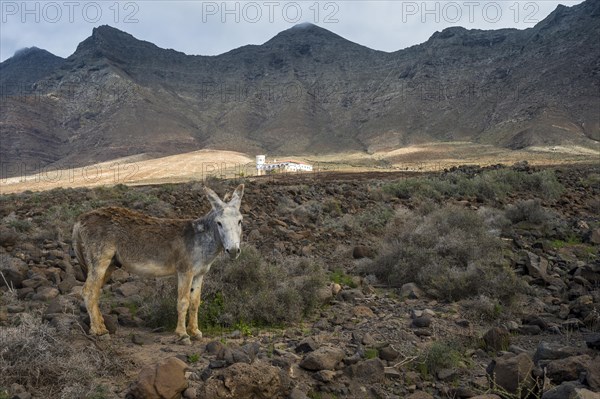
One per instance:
(260, 165)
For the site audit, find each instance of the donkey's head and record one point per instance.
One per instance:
(228, 220)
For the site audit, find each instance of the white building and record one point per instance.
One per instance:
(262, 166)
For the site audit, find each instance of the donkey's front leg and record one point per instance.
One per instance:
(195, 333)
(184, 285)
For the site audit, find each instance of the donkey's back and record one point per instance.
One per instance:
(139, 243)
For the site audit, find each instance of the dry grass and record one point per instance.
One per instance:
(51, 365)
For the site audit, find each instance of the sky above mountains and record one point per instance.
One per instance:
(215, 27)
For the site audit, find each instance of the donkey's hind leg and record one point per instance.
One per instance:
(97, 275)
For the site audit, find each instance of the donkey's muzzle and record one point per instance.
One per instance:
(233, 253)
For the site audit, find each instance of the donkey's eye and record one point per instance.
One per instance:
(240, 222)
(219, 224)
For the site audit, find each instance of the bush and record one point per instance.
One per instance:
(36, 355)
(527, 211)
(451, 252)
(252, 291)
(486, 185)
(247, 291)
(438, 356)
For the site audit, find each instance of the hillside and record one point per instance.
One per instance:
(310, 91)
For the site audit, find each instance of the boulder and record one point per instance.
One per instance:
(164, 380)
(567, 369)
(569, 390)
(546, 351)
(244, 381)
(14, 271)
(368, 371)
(324, 358)
(410, 291)
(512, 373)
(592, 373)
(496, 339)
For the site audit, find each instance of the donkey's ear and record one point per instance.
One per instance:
(213, 198)
(236, 198)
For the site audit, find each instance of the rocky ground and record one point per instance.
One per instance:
(366, 339)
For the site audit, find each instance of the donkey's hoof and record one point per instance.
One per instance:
(196, 336)
(185, 340)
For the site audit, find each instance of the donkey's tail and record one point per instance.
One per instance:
(78, 248)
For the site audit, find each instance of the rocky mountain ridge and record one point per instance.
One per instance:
(308, 90)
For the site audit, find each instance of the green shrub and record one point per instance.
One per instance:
(451, 252)
(527, 211)
(256, 292)
(339, 277)
(487, 185)
(22, 226)
(438, 356)
(247, 291)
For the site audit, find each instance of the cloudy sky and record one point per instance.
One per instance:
(214, 27)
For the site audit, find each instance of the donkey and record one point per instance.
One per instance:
(112, 237)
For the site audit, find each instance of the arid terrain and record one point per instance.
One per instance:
(199, 165)
(390, 283)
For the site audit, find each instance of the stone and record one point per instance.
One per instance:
(335, 289)
(139, 339)
(446, 374)
(190, 393)
(566, 390)
(306, 345)
(546, 351)
(410, 291)
(419, 395)
(233, 355)
(592, 341)
(164, 380)
(486, 396)
(14, 271)
(512, 372)
(324, 358)
(388, 353)
(324, 375)
(368, 371)
(244, 381)
(535, 321)
(422, 322)
(567, 369)
(392, 373)
(45, 293)
(351, 295)
(496, 339)
(537, 266)
(54, 306)
(128, 289)
(368, 340)
(592, 373)
(595, 236)
(8, 237)
(363, 311)
(361, 251)
(214, 347)
(297, 394)
(530, 329)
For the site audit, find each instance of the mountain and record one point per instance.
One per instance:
(308, 90)
(26, 67)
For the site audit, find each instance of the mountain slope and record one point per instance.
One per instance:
(308, 90)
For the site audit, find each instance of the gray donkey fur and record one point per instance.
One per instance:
(107, 238)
